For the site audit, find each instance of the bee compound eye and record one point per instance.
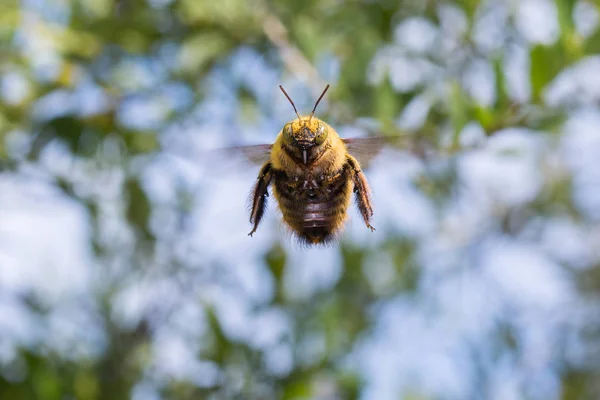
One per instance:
(288, 133)
(321, 133)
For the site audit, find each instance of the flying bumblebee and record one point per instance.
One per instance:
(313, 175)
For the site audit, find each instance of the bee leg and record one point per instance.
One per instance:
(362, 191)
(259, 196)
(331, 179)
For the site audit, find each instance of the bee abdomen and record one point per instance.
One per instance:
(317, 222)
(314, 209)
(322, 220)
(320, 214)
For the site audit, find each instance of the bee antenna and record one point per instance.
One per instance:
(291, 102)
(317, 103)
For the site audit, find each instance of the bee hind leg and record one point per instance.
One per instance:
(362, 192)
(259, 196)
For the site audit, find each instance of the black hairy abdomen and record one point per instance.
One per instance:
(313, 206)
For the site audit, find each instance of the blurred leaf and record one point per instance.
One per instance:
(200, 51)
(309, 37)
(580, 385)
(276, 260)
(298, 390)
(138, 208)
(571, 41)
(458, 111)
(407, 270)
(86, 385)
(502, 99)
(353, 259)
(439, 182)
(565, 14)
(549, 120)
(546, 63)
(141, 142)
(351, 385)
(589, 282)
(10, 16)
(47, 382)
(592, 43)
(485, 116)
(385, 106)
(220, 345)
(470, 7)
(67, 128)
(3, 150)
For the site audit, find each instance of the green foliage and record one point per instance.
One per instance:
(138, 208)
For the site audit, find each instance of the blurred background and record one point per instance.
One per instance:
(126, 271)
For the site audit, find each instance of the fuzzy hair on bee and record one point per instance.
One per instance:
(312, 176)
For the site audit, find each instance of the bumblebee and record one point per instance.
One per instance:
(313, 176)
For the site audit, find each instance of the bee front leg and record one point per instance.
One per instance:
(259, 196)
(362, 191)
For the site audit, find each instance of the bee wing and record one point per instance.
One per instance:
(224, 161)
(365, 149)
(237, 160)
(256, 154)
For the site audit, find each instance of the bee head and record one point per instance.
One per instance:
(304, 133)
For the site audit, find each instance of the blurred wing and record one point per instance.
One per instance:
(365, 149)
(226, 160)
(255, 154)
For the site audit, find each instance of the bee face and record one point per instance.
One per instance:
(305, 133)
